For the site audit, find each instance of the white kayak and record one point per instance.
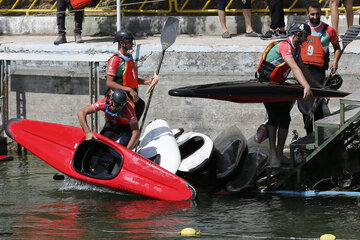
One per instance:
(159, 145)
(195, 149)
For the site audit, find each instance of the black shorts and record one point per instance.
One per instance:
(120, 134)
(279, 114)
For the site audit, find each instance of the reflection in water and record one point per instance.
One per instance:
(73, 218)
(44, 221)
(34, 206)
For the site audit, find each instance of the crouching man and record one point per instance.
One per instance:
(121, 123)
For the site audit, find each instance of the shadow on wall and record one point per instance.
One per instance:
(107, 26)
(51, 84)
(4, 27)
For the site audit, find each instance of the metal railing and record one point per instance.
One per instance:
(162, 7)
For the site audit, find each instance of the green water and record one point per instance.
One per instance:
(34, 206)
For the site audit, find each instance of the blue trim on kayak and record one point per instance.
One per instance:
(312, 193)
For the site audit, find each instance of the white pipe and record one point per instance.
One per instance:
(118, 15)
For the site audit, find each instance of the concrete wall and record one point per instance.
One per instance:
(47, 97)
(52, 81)
(146, 24)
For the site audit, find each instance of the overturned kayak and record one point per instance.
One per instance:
(102, 162)
(159, 145)
(5, 158)
(195, 149)
(252, 92)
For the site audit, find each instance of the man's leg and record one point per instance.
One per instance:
(349, 12)
(60, 17)
(60, 20)
(222, 18)
(277, 14)
(247, 17)
(272, 144)
(334, 14)
(79, 18)
(272, 112)
(282, 135)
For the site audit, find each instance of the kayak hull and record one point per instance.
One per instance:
(159, 145)
(63, 146)
(252, 92)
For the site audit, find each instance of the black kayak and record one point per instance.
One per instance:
(252, 92)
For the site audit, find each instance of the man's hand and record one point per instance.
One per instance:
(333, 67)
(134, 95)
(90, 136)
(307, 93)
(154, 80)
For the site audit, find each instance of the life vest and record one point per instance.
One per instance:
(313, 52)
(129, 77)
(81, 4)
(268, 72)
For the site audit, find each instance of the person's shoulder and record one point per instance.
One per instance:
(286, 43)
(130, 112)
(101, 101)
(116, 57)
(100, 104)
(129, 107)
(332, 33)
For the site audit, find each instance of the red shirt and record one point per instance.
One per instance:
(127, 116)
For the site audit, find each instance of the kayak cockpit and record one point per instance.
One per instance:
(96, 159)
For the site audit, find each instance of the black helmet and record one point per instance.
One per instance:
(123, 35)
(119, 97)
(334, 81)
(300, 27)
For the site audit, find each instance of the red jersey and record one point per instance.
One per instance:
(126, 116)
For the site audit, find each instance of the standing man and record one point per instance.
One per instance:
(315, 56)
(122, 73)
(61, 7)
(121, 122)
(278, 59)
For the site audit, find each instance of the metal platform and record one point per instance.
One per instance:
(326, 130)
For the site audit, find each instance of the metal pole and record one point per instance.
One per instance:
(93, 92)
(118, 15)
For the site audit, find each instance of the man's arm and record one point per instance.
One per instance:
(299, 76)
(145, 82)
(337, 53)
(81, 114)
(135, 135)
(110, 83)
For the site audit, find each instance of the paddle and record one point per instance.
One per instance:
(349, 36)
(168, 37)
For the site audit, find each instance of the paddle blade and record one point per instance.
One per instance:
(169, 33)
(350, 35)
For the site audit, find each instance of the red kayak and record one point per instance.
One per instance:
(101, 162)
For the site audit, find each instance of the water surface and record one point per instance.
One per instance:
(34, 206)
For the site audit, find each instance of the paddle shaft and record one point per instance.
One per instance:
(151, 93)
(168, 37)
